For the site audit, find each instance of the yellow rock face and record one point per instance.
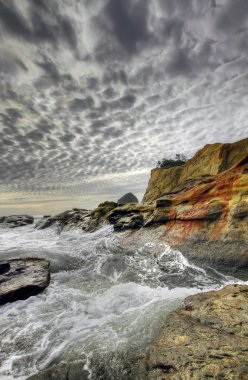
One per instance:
(208, 161)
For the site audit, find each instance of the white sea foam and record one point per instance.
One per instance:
(99, 298)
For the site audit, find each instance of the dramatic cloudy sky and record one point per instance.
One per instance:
(95, 92)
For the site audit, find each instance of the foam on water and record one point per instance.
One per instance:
(100, 299)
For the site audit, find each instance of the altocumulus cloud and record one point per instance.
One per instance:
(93, 93)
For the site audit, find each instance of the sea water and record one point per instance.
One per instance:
(102, 299)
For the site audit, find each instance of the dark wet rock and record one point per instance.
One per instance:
(24, 278)
(207, 338)
(4, 267)
(128, 198)
(45, 222)
(131, 221)
(163, 202)
(129, 216)
(71, 217)
(13, 221)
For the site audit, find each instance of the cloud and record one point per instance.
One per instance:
(92, 92)
(42, 24)
(129, 22)
(78, 105)
(234, 16)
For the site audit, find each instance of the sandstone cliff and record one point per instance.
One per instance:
(208, 161)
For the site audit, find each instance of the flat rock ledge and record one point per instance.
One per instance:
(23, 278)
(206, 339)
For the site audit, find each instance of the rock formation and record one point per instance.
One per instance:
(209, 161)
(13, 221)
(200, 207)
(23, 278)
(207, 338)
(127, 198)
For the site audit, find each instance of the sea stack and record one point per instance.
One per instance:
(127, 198)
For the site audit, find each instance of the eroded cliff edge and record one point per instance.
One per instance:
(200, 208)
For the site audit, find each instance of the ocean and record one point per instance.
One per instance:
(104, 301)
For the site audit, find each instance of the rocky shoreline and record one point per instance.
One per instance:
(200, 208)
(206, 338)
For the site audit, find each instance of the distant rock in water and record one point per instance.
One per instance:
(128, 198)
(13, 221)
(23, 278)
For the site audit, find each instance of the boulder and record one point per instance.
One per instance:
(22, 278)
(13, 221)
(206, 338)
(128, 198)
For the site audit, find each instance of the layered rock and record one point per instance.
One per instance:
(23, 278)
(203, 211)
(71, 217)
(13, 221)
(86, 220)
(208, 161)
(206, 338)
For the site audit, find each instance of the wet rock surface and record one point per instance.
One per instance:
(72, 217)
(206, 338)
(13, 221)
(22, 278)
(4, 267)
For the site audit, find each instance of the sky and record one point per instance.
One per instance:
(94, 92)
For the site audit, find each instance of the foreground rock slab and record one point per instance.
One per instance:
(207, 338)
(23, 278)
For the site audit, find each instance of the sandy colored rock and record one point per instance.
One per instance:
(206, 338)
(208, 161)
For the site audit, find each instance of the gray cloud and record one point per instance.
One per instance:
(129, 22)
(94, 93)
(37, 28)
(234, 16)
(79, 105)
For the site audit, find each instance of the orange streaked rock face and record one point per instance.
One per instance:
(209, 161)
(203, 206)
(206, 199)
